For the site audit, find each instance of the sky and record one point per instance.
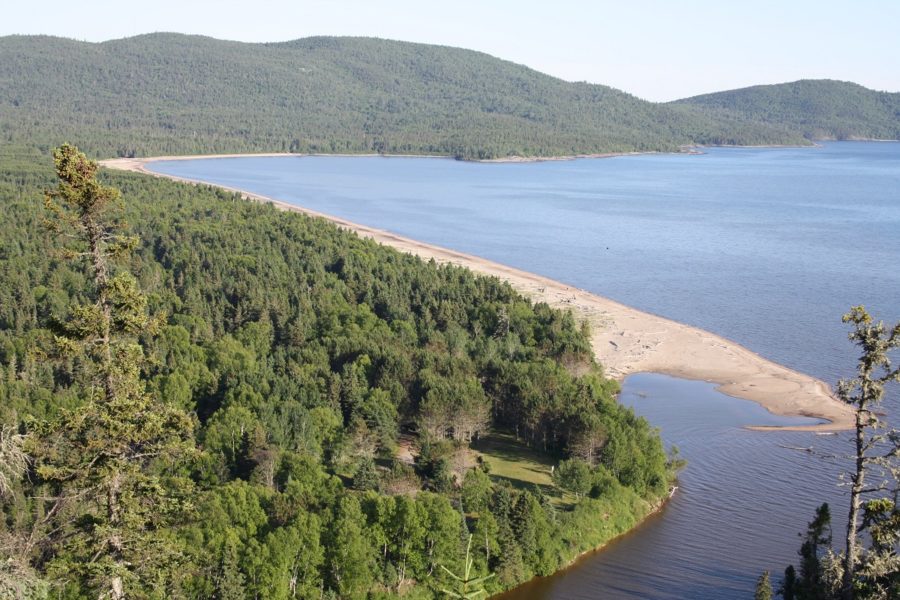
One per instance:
(655, 49)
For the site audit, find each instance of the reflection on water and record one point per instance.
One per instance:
(741, 501)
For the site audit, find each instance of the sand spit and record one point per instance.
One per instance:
(625, 340)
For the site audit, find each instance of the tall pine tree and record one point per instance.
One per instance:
(877, 452)
(105, 463)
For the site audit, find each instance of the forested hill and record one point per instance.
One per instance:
(349, 415)
(171, 93)
(819, 109)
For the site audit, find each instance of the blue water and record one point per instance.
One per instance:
(767, 247)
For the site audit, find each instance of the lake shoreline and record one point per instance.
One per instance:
(625, 340)
(503, 159)
(655, 511)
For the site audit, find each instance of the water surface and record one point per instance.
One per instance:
(736, 513)
(767, 247)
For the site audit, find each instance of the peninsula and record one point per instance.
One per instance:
(625, 340)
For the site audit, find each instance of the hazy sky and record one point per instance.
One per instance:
(655, 49)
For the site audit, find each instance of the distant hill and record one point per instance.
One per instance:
(819, 109)
(171, 93)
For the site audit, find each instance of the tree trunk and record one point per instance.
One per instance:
(101, 280)
(855, 501)
(117, 588)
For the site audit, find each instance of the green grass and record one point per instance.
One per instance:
(512, 461)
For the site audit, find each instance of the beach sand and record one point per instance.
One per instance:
(625, 340)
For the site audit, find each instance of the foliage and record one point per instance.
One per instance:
(176, 94)
(303, 351)
(818, 109)
(812, 581)
(763, 587)
(13, 459)
(871, 572)
(470, 588)
(99, 464)
(877, 453)
(574, 475)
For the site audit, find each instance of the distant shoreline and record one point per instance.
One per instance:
(689, 149)
(114, 162)
(625, 340)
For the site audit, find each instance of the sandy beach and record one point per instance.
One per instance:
(625, 340)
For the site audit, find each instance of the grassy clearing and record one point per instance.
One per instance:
(516, 463)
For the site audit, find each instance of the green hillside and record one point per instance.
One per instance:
(331, 390)
(172, 93)
(819, 109)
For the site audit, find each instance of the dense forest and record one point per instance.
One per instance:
(320, 416)
(176, 94)
(819, 109)
(248, 403)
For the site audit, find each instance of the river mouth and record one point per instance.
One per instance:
(755, 490)
(759, 246)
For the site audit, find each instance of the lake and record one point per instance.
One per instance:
(767, 247)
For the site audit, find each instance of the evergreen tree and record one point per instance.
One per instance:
(788, 584)
(763, 587)
(17, 578)
(13, 459)
(104, 460)
(469, 586)
(871, 572)
(229, 581)
(818, 538)
(366, 476)
(874, 447)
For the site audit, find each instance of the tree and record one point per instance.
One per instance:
(573, 475)
(590, 436)
(17, 579)
(13, 459)
(104, 459)
(366, 475)
(534, 534)
(407, 528)
(788, 584)
(874, 447)
(813, 580)
(287, 563)
(476, 491)
(880, 568)
(348, 553)
(860, 572)
(763, 587)
(470, 587)
(471, 411)
(434, 417)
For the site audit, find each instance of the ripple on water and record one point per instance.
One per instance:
(764, 241)
(742, 500)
